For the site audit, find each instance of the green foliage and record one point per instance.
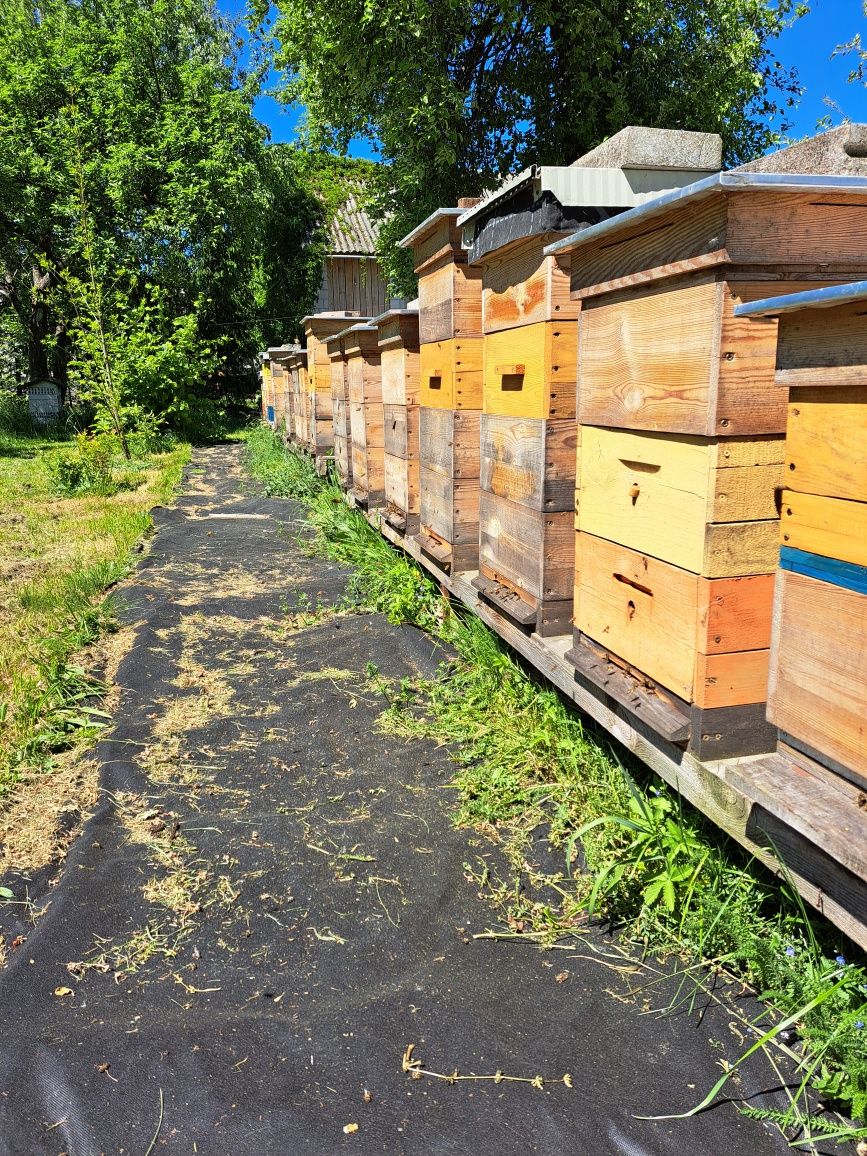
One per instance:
(140, 206)
(458, 94)
(653, 865)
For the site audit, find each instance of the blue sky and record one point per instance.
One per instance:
(808, 45)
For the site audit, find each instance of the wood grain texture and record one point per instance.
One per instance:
(641, 250)
(450, 301)
(675, 358)
(818, 682)
(819, 347)
(704, 640)
(791, 229)
(449, 477)
(451, 374)
(825, 569)
(401, 431)
(826, 441)
(530, 461)
(522, 287)
(829, 526)
(532, 371)
(442, 239)
(401, 379)
(704, 505)
(533, 552)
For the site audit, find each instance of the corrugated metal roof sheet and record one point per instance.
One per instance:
(351, 231)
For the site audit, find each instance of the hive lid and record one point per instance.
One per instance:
(699, 191)
(827, 298)
(427, 226)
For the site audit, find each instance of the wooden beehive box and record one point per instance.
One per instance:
(299, 392)
(399, 351)
(340, 409)
(681, 457)
(363, 372)
(528, 436)
(818, 670)
(450, 393)
(316, 430)
(267, 386)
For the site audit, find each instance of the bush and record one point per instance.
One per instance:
(88, 468)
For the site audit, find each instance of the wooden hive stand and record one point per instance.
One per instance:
(529, 436)
(314, 423)
(336, 350)
(682, 447)
(450, 395)
(399, 349)
(364, 377)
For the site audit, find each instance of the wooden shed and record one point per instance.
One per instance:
(682, 442)
(351, 277)
(399, 351)
(450, 358)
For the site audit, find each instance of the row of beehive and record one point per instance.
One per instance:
(662, 428)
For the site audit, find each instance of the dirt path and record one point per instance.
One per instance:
(270, 904)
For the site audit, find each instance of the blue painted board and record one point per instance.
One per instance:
(832, 570)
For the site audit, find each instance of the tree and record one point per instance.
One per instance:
(459, 93)
(133, 173)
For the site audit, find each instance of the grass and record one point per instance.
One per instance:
(58, 556)
(630, 852)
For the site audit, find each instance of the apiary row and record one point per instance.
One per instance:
(593, 425)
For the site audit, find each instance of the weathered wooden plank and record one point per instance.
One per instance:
(829, 526)
(530, 461)
(766, 226)
(818, 680)
(823, 347)
(522, 286)
(401, 380)
(532, 371)
(450, 301)
(401, 431)
(670, 240)
(532, 551)
(826, 440)
(706, 506)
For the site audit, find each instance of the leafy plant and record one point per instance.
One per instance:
(662, 857)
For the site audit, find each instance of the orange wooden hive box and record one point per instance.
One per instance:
(315, 428)
(682, 443)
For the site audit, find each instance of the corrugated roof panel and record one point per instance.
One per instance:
(351, 231)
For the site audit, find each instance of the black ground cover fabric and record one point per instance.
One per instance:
(270, 903)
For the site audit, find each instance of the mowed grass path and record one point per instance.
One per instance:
(58, 555)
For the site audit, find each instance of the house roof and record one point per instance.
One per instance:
(351, 231)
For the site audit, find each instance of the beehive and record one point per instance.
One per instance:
(681, 456)
(316, 429)
(265, 360)
(340, 409)
(528, 435)
(399, 351)
(818, 671)
(450, 366)
(363, 374)
(299, 393)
